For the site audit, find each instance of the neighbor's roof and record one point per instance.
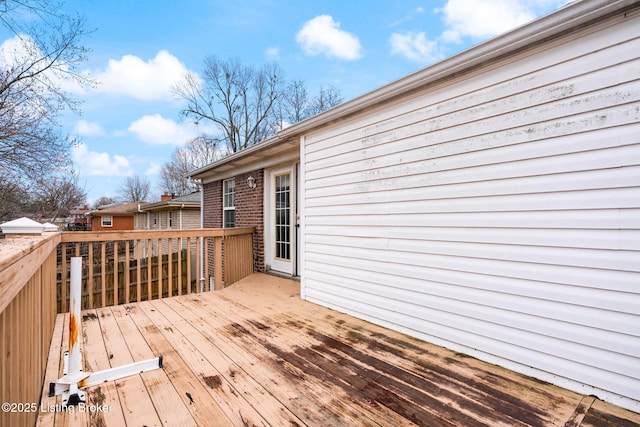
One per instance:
(118, 209)
(191, 201)
(553, 26)
(79, 211)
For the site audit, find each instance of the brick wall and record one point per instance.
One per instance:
(212, 204)
(249, 210)
(118, 223)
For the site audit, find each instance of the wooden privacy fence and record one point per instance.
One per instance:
(27, 319)
(120, 267)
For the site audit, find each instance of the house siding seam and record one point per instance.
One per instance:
(190, 218)
(497, 214)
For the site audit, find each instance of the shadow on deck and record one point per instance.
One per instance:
(255, 354)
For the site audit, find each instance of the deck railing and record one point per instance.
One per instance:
(119, 267)
(27, 318)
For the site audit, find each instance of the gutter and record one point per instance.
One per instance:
(566, 19)
(240, 154)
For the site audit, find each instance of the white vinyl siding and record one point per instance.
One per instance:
(497, 213)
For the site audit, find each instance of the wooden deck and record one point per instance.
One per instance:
(254, 354)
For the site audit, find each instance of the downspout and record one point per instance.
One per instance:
(301, 221)
(202, 279)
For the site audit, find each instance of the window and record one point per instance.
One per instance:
(283, 215)
(170, 219)
(107, 221)
(229, 203)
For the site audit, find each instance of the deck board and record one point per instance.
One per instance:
(168, 405)
(137, 409)
(199, 355)
(227, 326)
(304, 402)
(255, 354)
(191, 390)
(240, 392)
(96, 357)
(48, 416)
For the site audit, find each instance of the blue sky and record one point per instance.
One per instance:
(130, 124)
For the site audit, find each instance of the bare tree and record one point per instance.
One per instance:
(102, 201)
(35, 66)
(296, 105)
(295, 102)
(55, 196)
(14, 199)
(238, 99)
(44, 56)
(325, 99)
(194, 154)
(134, 189)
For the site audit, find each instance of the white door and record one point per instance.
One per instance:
(279, 245)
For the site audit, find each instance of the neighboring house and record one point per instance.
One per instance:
(170, 213)
(489, 203)
(113, 217)
(77, 219)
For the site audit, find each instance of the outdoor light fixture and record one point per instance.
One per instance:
(251, 182)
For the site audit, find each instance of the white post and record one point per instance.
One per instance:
(202, 279)
(71, 385)
(75, 321)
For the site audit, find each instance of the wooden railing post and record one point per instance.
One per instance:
(217, 263)
(90, 273)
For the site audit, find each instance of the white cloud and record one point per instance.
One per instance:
(414, 46)
(409, 17)
(99, 164)
(481, 19)
(474, 19)
(153, 169)
(272, 53)
(322, 35)
(17, 49)
(155, 129)
(21, 51)
(85, 128)
(150, 80)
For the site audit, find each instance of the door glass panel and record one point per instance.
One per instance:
(283, 213)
